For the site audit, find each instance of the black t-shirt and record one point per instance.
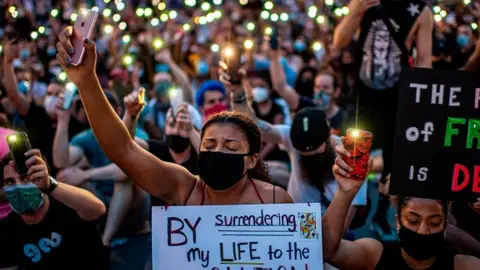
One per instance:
(459, 58)
(160, 150)
(392, 259)
(467, 217)
(41, 130)
(60, 241)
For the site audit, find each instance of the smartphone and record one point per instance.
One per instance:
(358, 143)
(232, 56)
(83, 28)
(175, 96)
(274, 39)
(69, 94)
(19, 144)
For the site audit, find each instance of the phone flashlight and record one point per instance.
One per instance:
(117, 17)
(41, 30)
(1, 48)
(186, 27)
(268, 5)
(474, 26)
(164, 17)
(62, 76)
(248, 44)
(205, 6)
(268, 31)
(173, 14)
(107, 12)
(12, 138)
(274, 17)
(127, 60)
(108, 29)
(139, 12)
(54, 13)
(122, 26)
(317, 46)
(162, 6)
(158, 43)
(321, 19)
(215, 48)
(264, 14)
(338, 12)
(228, 52)
(148, 12)
(154, 22)
(34, 35)
(73, 17)
(250, 26)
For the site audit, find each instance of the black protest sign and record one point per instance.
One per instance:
(437, 136)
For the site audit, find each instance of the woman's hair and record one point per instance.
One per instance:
(402, 202)
(254, 138)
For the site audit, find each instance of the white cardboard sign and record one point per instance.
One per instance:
(238, 237)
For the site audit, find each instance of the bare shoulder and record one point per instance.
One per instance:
(267, 192)
(466, 262)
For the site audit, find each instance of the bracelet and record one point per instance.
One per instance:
(239, 98)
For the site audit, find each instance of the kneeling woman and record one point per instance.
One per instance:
(421, 227)
(229, 169)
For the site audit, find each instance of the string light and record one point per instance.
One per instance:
(243, 2)
(437, 9)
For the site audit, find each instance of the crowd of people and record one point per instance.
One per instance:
(267, 133)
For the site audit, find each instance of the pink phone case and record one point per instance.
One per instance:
(83, 28)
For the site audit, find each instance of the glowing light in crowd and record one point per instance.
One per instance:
(173, 14)
(338, 12)
(70, 86)
(228, 52)
(96, 9)
(265, 14)
(122, 26)
(148, 12)
(62, 76)
(116, 17)
(329, 2)
(190, 3)
(317, 46)
(210, 17)
(108, 29)
(107, 12)
(34, 35)
(243, 2)
(321, 19)
(158, 43)
(205, 6)
(250, 26)
(274, 17)
(155, 2)
(12, 9)
(1, 48)
(268, 31)
(126, 39)
(248, 44)
(345, 10)
(120, 6)
(436, 9)
(41, 29)
(139, 12)
(443, 13)
(268, 5)
(164, 17)
(155, 22)
(284, 17)
(437, 17)
(312, 11)
(127, 60)
(215, 48)
(54, 13)
(106, 1)
(186, 27)
(15, 14)
(466, 2)
(202, 20)
(474, 26)
(162, 6)
(355, 133)
(74, 16)
(217, 14)
(217, 2)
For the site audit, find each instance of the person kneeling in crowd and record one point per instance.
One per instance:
(51, 226)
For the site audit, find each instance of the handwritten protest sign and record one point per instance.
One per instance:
(437, 137)
(237, 237)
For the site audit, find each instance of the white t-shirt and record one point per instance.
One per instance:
(300, 189)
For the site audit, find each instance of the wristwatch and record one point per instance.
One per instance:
(52, 187)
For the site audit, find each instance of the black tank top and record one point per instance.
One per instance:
(392, 259)
(379, 57)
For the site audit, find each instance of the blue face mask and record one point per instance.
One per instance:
(24, 198)
(300, 46)
(162, 87)
(202, 68)
(322, 100)
(462, 40)
(141, 72)
(23, 87)
(133, 50)
(161, 68)
(24, 54)
(51, 51)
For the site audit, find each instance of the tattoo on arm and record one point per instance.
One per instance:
(264, 126)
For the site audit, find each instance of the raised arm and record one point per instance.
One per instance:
(344, 32)
(279, 81)
(10, 81)
(178, 74)
(170, 182)
(423, 40)
(360, 254)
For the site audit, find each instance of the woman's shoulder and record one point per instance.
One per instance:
(466, 262)
(271, 193)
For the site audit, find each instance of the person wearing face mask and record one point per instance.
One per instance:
(211, 98)
(305, 82)
(40, 121)
(421, 229)
(5, 208)
(229, 169)
(466, 46)
(52, 225)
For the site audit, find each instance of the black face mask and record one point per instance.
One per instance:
(317, 168)
(421, 246)
(177, 143)
(221, 171)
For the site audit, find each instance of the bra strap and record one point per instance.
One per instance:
(256, 191)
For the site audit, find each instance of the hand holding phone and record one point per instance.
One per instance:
(175, 96)
(70, 92)
(83, 28)
(232, 56)
(274, 39)
(19, 144)
(358, 143)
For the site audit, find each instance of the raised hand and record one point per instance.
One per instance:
(183, 120)
(37, 169)
(62, 115)
(133, 102)
(342, 171)
(9, 51)
(164, 56)
(84, 71)
(359, 7)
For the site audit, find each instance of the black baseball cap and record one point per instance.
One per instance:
(310, 129)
